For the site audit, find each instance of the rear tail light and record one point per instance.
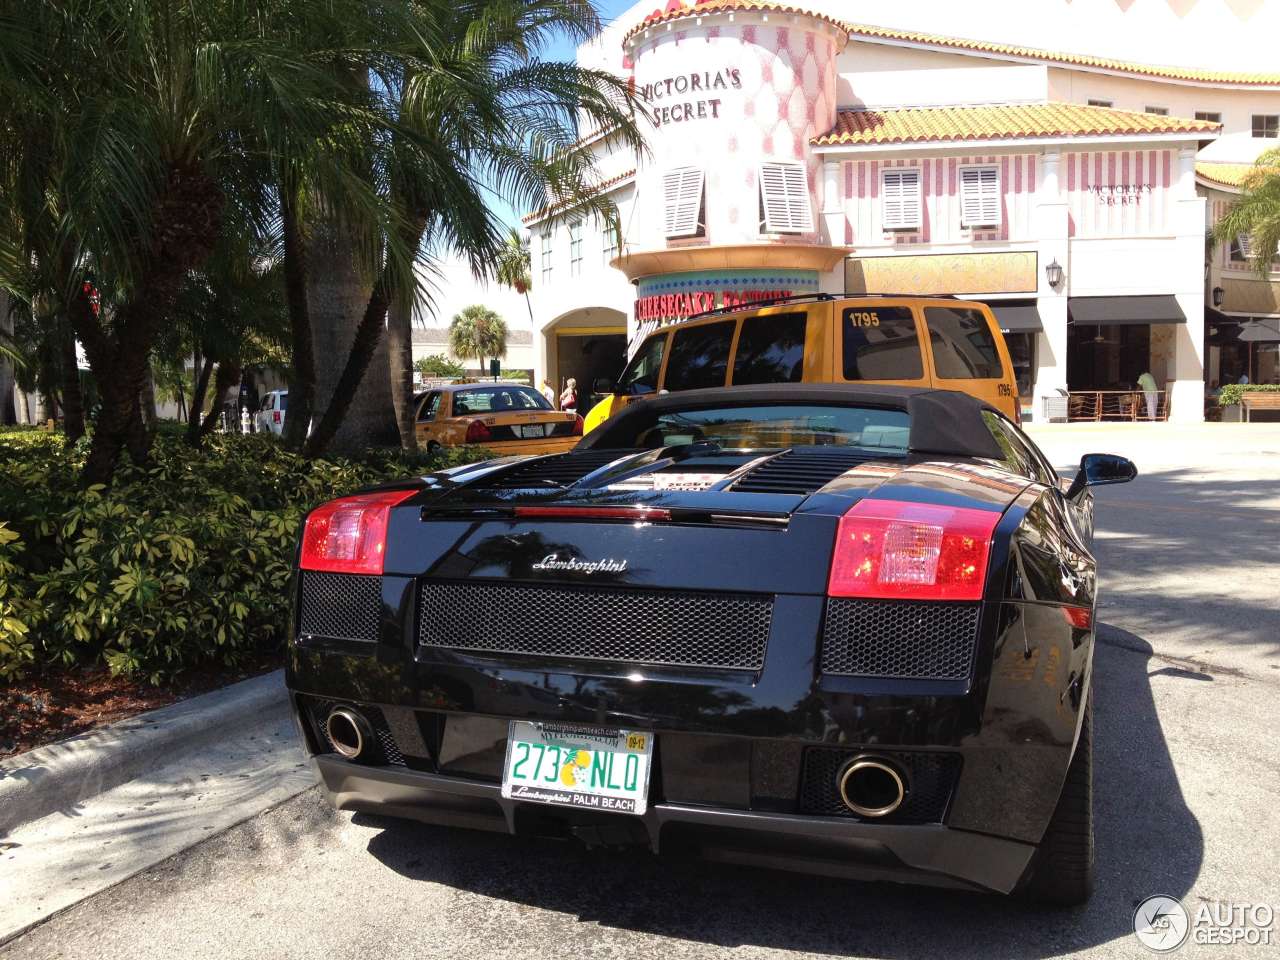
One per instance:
(477, 432)
(577, 426)
(918, 551)
(1079, 617)
(275, 417)
(349, 535)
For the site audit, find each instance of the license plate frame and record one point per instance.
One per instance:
(532, 431)
(595, 775)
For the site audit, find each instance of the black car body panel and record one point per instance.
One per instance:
(746, 748)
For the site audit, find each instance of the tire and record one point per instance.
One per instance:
(1062, 871)
(433, 447)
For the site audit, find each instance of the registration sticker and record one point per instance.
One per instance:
(565, 765)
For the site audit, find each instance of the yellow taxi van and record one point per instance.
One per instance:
(908, 341)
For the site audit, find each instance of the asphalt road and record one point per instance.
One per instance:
(1188, 797)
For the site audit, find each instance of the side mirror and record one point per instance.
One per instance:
(1097, 469)
(602, 385)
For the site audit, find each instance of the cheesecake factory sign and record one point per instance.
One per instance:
(689, 96)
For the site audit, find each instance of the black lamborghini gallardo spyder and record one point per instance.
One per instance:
(836, 629)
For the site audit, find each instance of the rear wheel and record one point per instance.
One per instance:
(1062, 871)
(433, 447)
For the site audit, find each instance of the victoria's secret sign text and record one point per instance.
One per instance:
(690, 84)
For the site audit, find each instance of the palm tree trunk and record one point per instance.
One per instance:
(358, 411)
(8, 413)
(400, 355)
(148, 400)
(72, 395)
(228, 376)
(302, 388)
(199, 388)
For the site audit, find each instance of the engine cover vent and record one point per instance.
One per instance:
(802, 471)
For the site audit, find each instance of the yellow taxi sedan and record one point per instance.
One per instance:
(507, 418)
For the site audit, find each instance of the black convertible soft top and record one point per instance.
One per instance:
(943, 422)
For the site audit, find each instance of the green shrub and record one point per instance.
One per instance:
(1232, 392)
(181, 564)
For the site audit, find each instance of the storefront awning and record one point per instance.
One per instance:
(1017, 316)
(1260, 330)
(1125, 311)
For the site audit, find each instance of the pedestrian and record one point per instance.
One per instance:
(569, 398)
(548, 391)
(1147, 384)
(1244, 379)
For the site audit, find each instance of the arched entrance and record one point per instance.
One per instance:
(586, 344)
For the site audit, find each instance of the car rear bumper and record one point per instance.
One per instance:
(830, 846)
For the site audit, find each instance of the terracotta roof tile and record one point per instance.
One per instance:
(1002, 122)
(677, 10)
(1216, 77)
(1225, 174)
(554, 207)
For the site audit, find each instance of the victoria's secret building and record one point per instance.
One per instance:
(790, 152)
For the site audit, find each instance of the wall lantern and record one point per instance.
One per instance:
(1053, 273)
(1218, 295)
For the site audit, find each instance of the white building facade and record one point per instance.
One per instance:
(1061, 161)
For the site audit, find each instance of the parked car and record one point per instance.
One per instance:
(838, 629)
(270, 416)
(505, 417)
(892, 340)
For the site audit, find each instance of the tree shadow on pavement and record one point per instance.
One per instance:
(1148, 842)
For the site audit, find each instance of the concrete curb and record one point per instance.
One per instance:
(57, 777)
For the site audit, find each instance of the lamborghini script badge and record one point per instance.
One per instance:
(574, 565)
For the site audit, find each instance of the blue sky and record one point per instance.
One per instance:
(564, 49)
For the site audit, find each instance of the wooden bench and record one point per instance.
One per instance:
(1258, 400)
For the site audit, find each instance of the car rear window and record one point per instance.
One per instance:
(963, 346)
(498, 399)
(773, 426)
(881, 343)
(699, 356)
(284, 401)
(771, 349)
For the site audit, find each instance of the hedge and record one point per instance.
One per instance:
(1232, 392)
(182, 564)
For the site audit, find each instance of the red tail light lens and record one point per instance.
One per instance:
(477, 432)
(920, 551)
(275, 416)
(349, 535)
(577, 426)
(1079, 617)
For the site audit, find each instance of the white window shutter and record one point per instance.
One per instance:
(900, 198)
(682, 200)
(980, 196)
(784, 198)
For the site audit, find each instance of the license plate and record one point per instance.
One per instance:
(571, 766)
(533, 431)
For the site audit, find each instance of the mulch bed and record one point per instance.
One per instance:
(44, 709)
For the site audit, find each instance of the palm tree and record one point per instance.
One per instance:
(514, 264)
(476, 331)
(478, 113)
(134, 135)
(1256, 213)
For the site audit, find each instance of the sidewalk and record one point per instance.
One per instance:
(199, 769)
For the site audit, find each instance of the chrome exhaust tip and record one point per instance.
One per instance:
(871, 787)
(349, 732)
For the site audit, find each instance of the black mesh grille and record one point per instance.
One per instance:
(343, 606)
(634, 626)
(919, 640)
(930, 778)
(388, 751)
(557, 471)
(801, 471)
